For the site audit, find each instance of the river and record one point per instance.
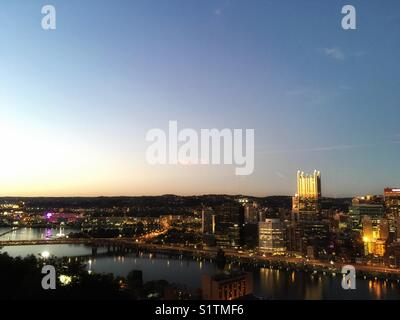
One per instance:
(267, 283)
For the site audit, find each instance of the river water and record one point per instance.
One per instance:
(267, 283)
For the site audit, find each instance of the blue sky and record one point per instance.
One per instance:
(76, 103)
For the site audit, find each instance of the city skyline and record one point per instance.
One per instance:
(76, 102)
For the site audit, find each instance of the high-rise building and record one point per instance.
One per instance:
(307, 228)
(392, 200)
(398, 229)
(271, 234)
(375, 236)
(384, 229)
(309, 185)
(314, 232)
(250, 229)
(308, 193)
(251, 212)
(371, 206)
(229, 221)
(392, 207)
(207, 221)
(368, 233)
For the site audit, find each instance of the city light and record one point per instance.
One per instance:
(65, 280)
(45, 254)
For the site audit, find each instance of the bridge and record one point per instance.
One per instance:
(115, 245)
(9, 231)
(126, 245)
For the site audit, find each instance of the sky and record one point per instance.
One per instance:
(76, 102)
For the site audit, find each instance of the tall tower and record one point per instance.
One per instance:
(306, 230)
(308, 192)
(309, 185)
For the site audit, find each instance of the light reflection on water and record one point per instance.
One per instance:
(32, 233)
(268, 283)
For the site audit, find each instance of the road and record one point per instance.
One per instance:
(208, 252)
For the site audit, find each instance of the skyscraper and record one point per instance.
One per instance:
(392, 207)
(309, 185)
(308, 192)
(207, 221)
(307, 228)
(251, 212)
(229, 221)
(272, 236)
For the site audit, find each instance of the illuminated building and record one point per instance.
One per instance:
(392, 206)
(229, 221)
(309, 186)
(375, 236)
(371, 206)
(271, 236)
(368, 233)
(307, 227)
(227, 286)
(393, 255)
(308, 192)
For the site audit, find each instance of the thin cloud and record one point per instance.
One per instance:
(280, 174)
(335, 53)
(331, 148)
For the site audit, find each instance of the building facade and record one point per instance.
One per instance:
(227, 286)
(271, 234)
(229, 221)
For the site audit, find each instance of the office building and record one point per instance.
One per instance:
(371, 206)
(271, 234)
(229, 221)
(307, 198)
(375, 236)
(207, 221)
(251, 212)
(392, 207)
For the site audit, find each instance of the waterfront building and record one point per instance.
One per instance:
(227, 286)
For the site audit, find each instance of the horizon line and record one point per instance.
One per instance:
(174, 195)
